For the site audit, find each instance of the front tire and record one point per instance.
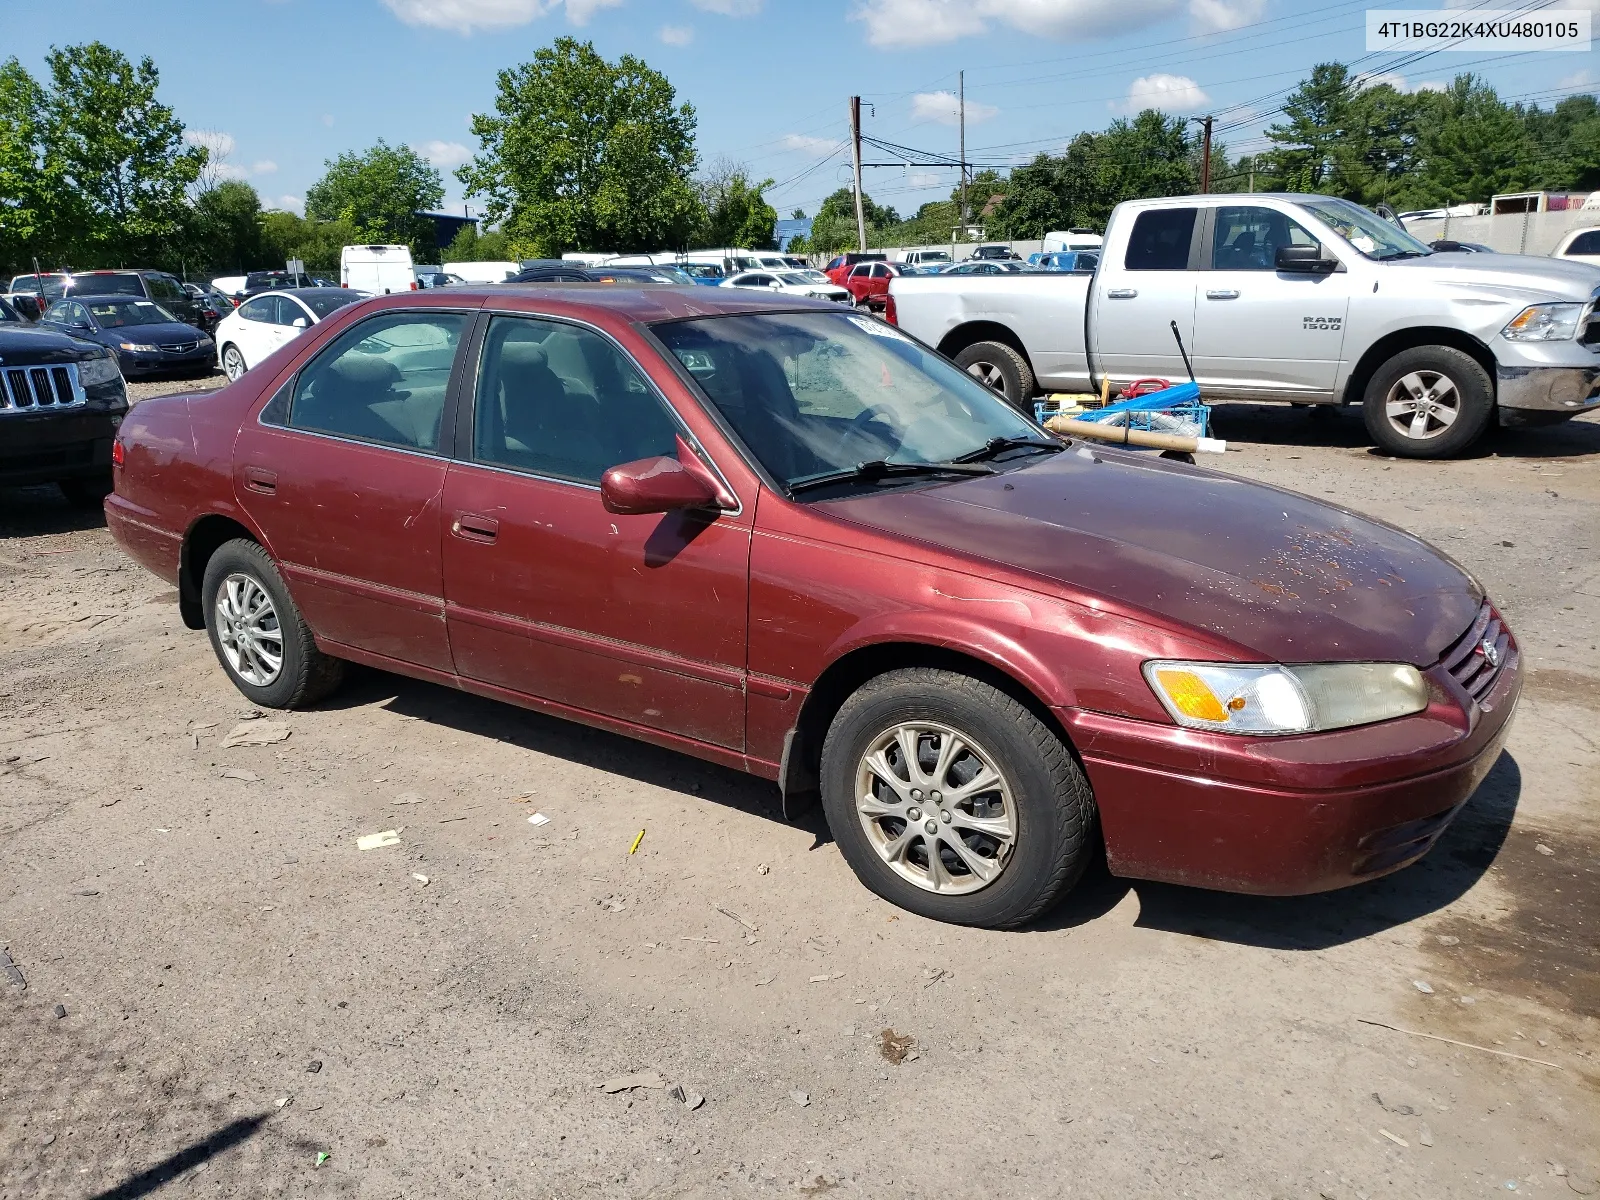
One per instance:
(1001, 369)
(258, 634)
(950, 799)
(1428, 402)
(233, 363)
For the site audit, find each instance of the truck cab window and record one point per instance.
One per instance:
(1247, 238)
(1160, 240)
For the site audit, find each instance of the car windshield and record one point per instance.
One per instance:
(323, 301)
(54, 285)
(796, 279)
(1366, 230)
(108, 285)
(813, 276)
(703, 270)
(116, 314)
(814, 394)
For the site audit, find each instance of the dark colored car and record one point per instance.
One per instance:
(213, 305)
(784, 537)
(564, 272)
(145, 337)
(61, 400)
(158, 286)
(266, 281)
(994, 253)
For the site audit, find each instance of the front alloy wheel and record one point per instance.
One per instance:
(233, 363)
(1422, 405)
(935, 808)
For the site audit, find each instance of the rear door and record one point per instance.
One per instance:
(255, 334)
(1260, 332)
(636, 618)
(343, 473)
(1137, 299)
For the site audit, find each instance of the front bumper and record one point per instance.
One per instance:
(1293, 815)
(47, 447)
(138, 363)
(1546, 393)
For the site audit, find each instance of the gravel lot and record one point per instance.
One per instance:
(244, 991)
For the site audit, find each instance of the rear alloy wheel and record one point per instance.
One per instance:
(1428, 402)
(949, 798)
(233, 363)
(1001, 369)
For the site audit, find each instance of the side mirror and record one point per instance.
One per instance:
(1304, 260)
(654, 485)
(777, 287)
(298, 323)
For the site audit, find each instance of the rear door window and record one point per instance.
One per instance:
(1160, 240)
(383, 380)
(1587, 242)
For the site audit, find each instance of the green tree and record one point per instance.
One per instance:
(378, 193)
(1473, 145)
(582, 153)
(120, 156)
(1306, 145)
(226, 228)
(471, 246)
(30, 179)
(316, 243)
(737, 214)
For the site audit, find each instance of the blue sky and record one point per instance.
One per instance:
(282, 85)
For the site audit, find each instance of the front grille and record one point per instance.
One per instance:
(1591, 333)
(181, 347)
(1469, 663)
(31, 389)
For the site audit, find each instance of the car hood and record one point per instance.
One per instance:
(1281, 576)
(165, 334)
(1558, 278)
(24, 345)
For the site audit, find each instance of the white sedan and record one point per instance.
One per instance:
(793, 283)
(272, 319)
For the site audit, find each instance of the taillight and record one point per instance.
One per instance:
(889, 313)
(413, 285)
(118, 454)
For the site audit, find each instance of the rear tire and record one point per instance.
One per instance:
(1001, 369)
(258, 634)
(1428, 402)
(233, 364)
(1024, 840)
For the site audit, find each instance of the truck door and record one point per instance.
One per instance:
(1261, 333)
(1139, 294)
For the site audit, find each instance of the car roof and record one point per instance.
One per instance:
(105, 297)
(644, 303)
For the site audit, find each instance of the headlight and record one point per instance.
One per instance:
(206, 343)
(1544, 323)
(140, 347)
(1271, 699)
(94, 371)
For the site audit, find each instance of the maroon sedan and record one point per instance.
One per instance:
(794, 541)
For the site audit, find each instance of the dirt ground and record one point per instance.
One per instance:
(245, 992)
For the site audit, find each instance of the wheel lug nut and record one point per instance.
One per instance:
(915, 814)
(916, 793)
(938, 797)
(946, 815)
(932, 827)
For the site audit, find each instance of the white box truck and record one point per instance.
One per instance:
(377, 269)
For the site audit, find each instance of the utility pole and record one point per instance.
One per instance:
(1205, 158)
(855, 153)
(961, 111)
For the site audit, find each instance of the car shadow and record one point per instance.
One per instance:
(41, 510)
(618, 755)
(1341, 427)
(1457, 861)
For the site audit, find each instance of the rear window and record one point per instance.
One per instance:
(1160, 240)
(108, 285)
(326, 300)
(1587, 242)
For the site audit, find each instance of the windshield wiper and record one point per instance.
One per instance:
(1398, 254)
(876, 469)
(999, 445)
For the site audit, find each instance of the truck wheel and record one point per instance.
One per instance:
(1428, 402)
(259, 636)
(1001, 368)
(950, 799)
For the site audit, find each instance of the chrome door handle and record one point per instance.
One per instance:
(1122, 293)
(1223, 294)
(474, 528)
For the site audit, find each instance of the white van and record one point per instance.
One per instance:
(377, 269)
(483, 272)
(1072, 239)
(926, 258)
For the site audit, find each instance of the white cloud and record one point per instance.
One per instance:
(327, 119)
(730, 8)
(1578, 79)
(815, 146)
(218, 143)
(226, 170)
(1398, 82)
(264, 166)
(934, 22)
(287, 203)
(467, 16)
(444, 154)
(924, 179)
(1169, 93)
(675, 35)
(1219, 16)
(943, 107)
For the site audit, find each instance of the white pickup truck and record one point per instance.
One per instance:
(1304, 299)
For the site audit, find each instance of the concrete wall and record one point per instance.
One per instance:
(1509, 233)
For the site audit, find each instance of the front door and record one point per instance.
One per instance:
(637, 618)
(1258, 331)
(1137, 300)
(343, 475)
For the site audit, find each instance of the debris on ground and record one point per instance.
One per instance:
(86, 892)
(636, 842)
(11, 971)
(1422, 986)
(420, 878)
(1434, 1037)
(689, 1099)
(933, 975)
(408, 798)
(1395, 1138)
(1425, 1136)
(538, 818)
(60, 1010)
(613, 903)
(626, 1083)
(733, 916)
(1399, 1110)
(284, 1102)
(242, 776)
(377, 841)
(322, 1157)
(1542, 848)
(895, 1047)
(314, 1066)
(1445, 939)
(762, 869)
(826, 978)
(803, 1099)
(256, 733)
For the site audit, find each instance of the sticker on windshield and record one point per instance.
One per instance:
(877, 328)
